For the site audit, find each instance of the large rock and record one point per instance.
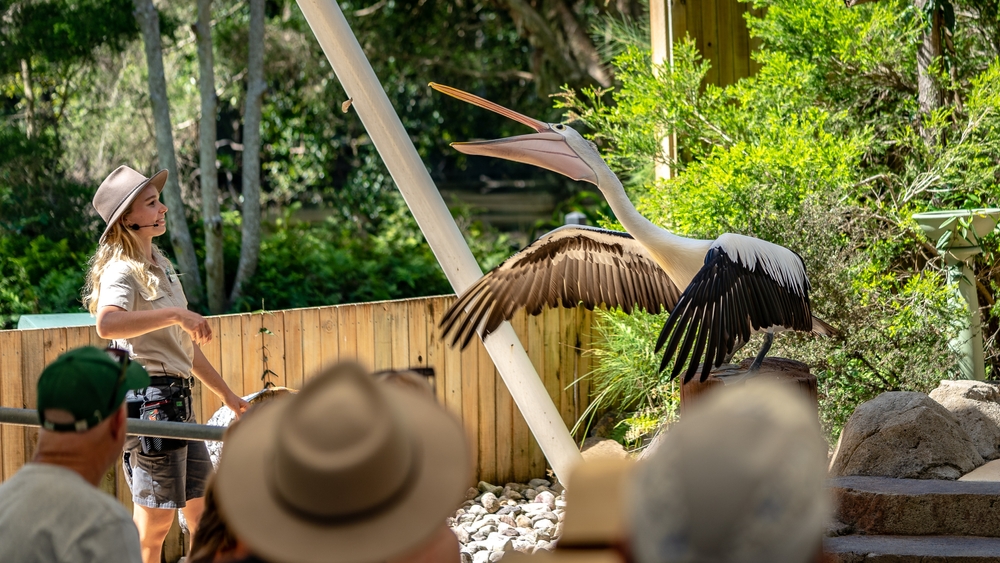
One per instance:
(904, 435)
(602, 448)
(976, 405)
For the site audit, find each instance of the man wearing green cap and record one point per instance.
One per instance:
(52, 510)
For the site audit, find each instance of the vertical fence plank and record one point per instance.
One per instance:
(382, 336)
(545, 365)
(710, 31)
(312, 345)
(487, 417)
(437, 348)
(77, 337)
(33, 349)
(568, 354)
(417, 332)
(365, 334)
(253, 353)
(522, 440)
(11, 395)
(274, 347)
(293, 348)
(470, 397)
(694, 25)
(741, 41)
(504, 431)
(399, 333)
(347, 325)
(453, 379)
(331, 334)
(725, 37)
(585, 362)
(680, 18)
(206, 401)
(231, 342)
(553, 350)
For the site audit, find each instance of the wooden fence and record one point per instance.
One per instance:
(287, 347)
(720, 33)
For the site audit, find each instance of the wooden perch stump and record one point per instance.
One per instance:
(779, 369)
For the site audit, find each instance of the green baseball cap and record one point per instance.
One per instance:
(87, 383)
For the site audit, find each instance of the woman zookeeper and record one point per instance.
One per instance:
(139, 303)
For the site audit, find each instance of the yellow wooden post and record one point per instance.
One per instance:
(661, 30)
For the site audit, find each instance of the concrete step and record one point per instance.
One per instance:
(911, 549)
(882, 506)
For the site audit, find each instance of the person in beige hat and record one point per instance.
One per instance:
(139, 303)
(349, 470)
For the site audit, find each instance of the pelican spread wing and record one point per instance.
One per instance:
(746, 285)
(568, 266)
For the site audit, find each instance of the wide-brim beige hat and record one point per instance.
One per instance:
(119, 189)
(347, 471)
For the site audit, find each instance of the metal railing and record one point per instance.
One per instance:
(133, 426)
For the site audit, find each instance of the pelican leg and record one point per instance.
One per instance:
(768, 339)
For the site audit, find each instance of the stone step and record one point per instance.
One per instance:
(876, 506)
(911, 549)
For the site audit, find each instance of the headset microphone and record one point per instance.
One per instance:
(137, 226)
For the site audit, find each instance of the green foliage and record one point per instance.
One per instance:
(58, 31)
(625, 377)
(39, 276)
(303, 264)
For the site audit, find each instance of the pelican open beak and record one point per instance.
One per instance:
(545, 148)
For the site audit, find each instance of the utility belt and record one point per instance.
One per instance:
(166, 399)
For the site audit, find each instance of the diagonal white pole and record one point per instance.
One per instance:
(380, 120)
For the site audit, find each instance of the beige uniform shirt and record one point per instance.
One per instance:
(167, 351)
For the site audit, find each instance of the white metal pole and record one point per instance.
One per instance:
(390, 138)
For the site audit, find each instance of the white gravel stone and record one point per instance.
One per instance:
(517, 517)
(490, 502)
(543, 523)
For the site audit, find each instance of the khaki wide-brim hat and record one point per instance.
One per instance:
(347, 471)
(119, 189)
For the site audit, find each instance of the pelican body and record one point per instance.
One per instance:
(733, 286)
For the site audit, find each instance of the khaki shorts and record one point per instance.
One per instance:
(168, 479)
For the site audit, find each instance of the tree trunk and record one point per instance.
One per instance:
(928, 90)
(211, 217)
(250, 246)
(29, 99)
(582, 46)
(180, 237)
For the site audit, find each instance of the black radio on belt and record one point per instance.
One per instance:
(166, 400)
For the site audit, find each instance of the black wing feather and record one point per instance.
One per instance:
(720, 308)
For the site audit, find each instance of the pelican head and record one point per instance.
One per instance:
(553, 146)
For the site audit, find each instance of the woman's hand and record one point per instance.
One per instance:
(236, 404)
(195, 325)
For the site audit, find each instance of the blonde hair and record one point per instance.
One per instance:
(118, 245)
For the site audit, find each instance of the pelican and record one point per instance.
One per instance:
(734, 286)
